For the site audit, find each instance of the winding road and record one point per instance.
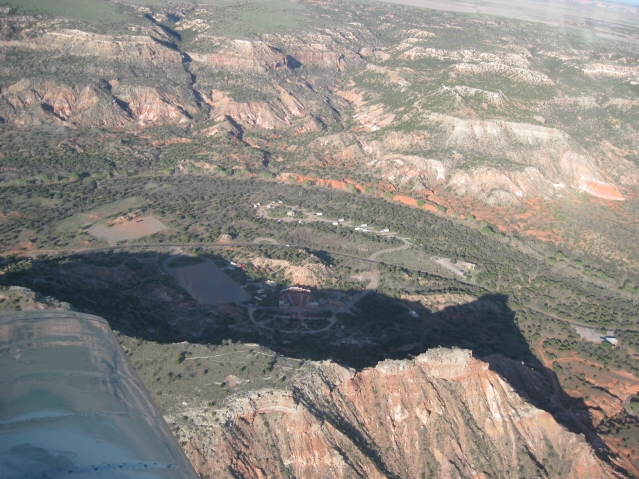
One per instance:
(406, 245)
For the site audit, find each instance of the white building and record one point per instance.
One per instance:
(290, 213)
(611, 339)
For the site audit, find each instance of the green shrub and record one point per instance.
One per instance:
(218, 170)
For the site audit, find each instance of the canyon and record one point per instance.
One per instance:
(513, 145)
(478, 140)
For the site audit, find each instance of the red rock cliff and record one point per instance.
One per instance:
(443, 414)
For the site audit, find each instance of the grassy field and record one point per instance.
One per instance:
(92, 10)
(246, 19)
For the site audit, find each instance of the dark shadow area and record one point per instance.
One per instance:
(292, 62)
(49, 109)
(164, 43)
(124, 106)
(355, 328)
(239, 130)
(168, 30)
(172, 17)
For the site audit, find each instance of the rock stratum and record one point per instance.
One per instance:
(442, 414)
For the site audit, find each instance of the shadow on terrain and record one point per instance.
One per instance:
(292, 62)
(140, 299)
(168, 30)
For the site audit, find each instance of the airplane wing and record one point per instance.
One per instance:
(71, 404)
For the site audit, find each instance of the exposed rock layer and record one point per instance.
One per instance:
(445, 410)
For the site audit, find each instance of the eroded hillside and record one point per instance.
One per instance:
(447, 411)
(471, 113)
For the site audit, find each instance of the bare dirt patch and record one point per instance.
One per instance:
(590, 334)
(407, 200)
(602, 190)
(128, 230)
(439, 302)
(306, 274)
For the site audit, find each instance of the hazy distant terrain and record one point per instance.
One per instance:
(602, 17)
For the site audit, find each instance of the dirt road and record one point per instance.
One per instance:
(376, 255)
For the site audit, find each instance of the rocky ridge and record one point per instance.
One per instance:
(444, 409)
(128, 48)
(20, 298)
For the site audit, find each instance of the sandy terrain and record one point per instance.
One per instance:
(133, 229)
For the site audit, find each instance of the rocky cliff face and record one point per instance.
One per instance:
(105, 105)
(243, 55)
(443, 414)
(126, 48)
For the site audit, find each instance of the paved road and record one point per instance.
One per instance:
(153, 246)
(80, 251)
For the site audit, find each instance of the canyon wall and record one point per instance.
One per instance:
(443, 414)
